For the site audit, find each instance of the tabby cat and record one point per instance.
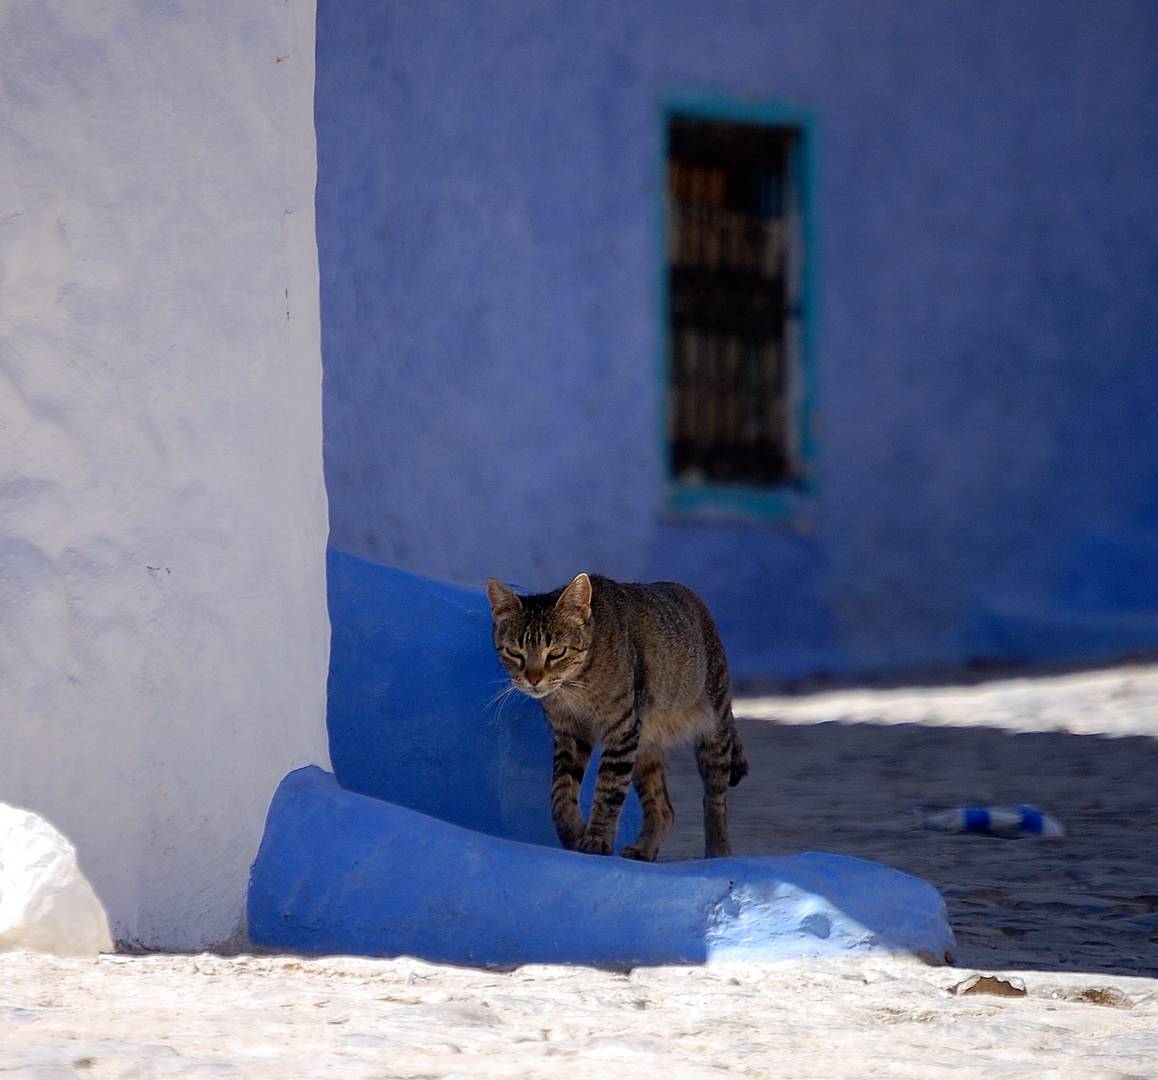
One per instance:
(637, 668)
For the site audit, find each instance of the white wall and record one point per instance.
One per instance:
(163, 632)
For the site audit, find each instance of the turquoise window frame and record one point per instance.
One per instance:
(794, 500)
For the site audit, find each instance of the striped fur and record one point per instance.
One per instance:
(637, 668)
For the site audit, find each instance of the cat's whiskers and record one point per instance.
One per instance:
(577, 691)
(501, 693)
(574, 701)
(499, 702)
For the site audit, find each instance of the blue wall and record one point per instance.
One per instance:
(489, 194)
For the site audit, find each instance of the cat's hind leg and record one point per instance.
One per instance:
(650, 780)
(720, 760)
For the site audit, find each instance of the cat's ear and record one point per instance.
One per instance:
(503, 601)
(577, 596)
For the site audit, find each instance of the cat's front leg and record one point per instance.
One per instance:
(572, 753)
(620, 749)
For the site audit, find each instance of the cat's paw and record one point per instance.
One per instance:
(639, 853)
(570, 832)
(593, 845)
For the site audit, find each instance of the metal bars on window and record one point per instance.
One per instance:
(734, 284)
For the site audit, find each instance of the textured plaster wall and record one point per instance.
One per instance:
(163, 632)
(488, 222)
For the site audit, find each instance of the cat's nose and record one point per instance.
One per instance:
(534, 677)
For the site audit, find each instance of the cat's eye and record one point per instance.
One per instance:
(557, 653)
(512, 656)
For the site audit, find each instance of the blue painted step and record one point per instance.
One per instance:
(342, 873)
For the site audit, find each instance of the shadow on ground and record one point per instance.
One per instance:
(1088, 902)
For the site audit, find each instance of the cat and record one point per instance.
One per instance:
(637, 668)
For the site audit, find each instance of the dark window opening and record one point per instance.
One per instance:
(735, 259)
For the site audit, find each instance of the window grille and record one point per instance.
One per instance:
(735, 259)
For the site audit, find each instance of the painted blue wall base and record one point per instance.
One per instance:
(1063, 636)
(342, 873)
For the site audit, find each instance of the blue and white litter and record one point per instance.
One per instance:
(1005, 821)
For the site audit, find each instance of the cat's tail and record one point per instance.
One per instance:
(738, 766)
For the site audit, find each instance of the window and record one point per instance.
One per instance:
(738, 415)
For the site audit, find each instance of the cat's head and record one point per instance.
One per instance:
(542, 640)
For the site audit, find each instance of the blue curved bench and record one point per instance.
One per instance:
(433, 837)
(343, 873)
